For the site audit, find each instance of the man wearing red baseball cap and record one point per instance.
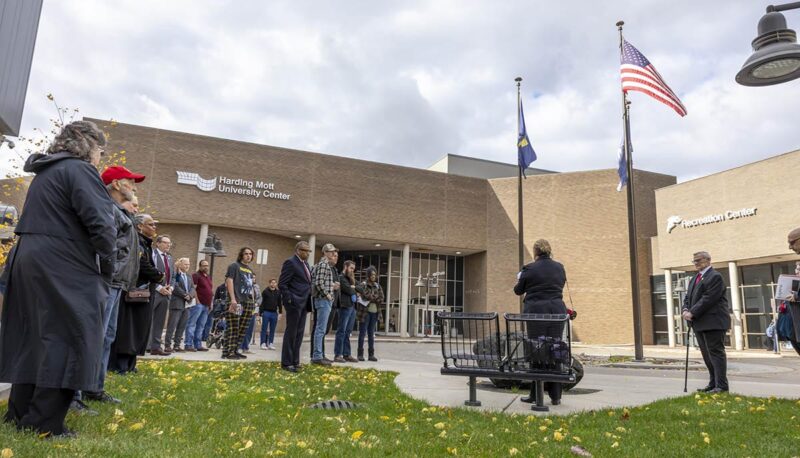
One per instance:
(121, 185)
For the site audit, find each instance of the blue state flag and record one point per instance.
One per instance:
(622, 167)
(525, 153)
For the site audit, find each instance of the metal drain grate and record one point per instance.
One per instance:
(334, 405)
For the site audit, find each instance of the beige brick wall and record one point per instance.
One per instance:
(767, 185)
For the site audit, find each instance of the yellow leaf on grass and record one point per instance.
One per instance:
(439, 425)
(7, 453)
(247, 445)
(356, 435)
(558, 436)
(118, 413)
(136, 426)
(707, 440)
(513, 452)
(113, 427)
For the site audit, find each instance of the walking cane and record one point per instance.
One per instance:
(686, 371)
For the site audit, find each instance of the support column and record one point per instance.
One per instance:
(406, 261)
(202, 242)
(312, 243)
(670, 308)
(736, 299)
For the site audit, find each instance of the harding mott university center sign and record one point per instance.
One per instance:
(252, 188)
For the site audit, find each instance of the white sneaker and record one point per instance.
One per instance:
(271, 346)
(263, 346)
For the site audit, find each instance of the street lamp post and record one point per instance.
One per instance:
(776, 54)
(213, 248)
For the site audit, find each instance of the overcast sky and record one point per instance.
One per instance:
(406, 82)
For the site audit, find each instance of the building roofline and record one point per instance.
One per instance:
(489, 161)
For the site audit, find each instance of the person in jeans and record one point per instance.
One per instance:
(198, 316)
(239, 283)
(121, 185)
(248, 335)
(367, 316)
(347, 314)
(271, 310)
(324, 284)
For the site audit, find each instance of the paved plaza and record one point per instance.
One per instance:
(417, 362)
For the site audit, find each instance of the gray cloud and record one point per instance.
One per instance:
(407, 82)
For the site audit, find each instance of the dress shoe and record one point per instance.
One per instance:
(338, 359)
(361, 357)
(373, 358)
(705, 389)
(350, 359)
(718, 390)
(158, 352)
(100, 396)
(328, 360)
(202, 349)
(167, 350)
(80, 407)
(190, 349)
(321, 362)
(289, 368)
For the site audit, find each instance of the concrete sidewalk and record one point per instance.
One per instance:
(418, 364)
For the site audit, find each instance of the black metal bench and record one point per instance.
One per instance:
(473, 345)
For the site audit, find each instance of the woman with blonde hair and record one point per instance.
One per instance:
(542, 282)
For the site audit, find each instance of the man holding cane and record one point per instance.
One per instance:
(706, 309)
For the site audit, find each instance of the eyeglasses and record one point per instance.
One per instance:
(151, 224)
(697, 261)
(305, 250)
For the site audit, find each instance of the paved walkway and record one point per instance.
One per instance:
(752, 373)
(417, 362)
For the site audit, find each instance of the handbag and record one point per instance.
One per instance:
(138, 295)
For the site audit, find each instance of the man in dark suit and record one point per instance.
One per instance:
(183, 296)
(160, 300)
(706, 309)
(295, 286)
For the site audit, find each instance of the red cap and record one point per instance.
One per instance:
(118, 172)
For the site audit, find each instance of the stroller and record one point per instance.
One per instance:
(217, 331)
(215, 336)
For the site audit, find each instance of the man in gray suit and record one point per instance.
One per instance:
(160, 300)
(706, 309)
(183, 296)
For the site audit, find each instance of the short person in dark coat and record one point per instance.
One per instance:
(542, 282)
(52, 325)
(706, 309)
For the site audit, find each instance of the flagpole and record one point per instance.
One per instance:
(520, 240)
(632, 245)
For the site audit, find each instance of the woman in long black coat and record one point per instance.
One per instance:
(542, 282)
(52, 325)
(134, 318)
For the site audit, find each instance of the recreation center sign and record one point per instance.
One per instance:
(252, 188)
(677, 221)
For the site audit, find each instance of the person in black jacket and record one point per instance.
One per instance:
(134, 318)
(51, 338)
(705, 307)
(271, 310)
(542, 282)
(347, 314)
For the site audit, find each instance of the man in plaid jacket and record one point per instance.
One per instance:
(324, 285)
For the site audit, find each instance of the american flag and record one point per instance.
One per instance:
(638, 74)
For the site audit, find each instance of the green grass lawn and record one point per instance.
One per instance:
(202, 409)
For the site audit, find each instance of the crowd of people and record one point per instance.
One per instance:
(90, 285)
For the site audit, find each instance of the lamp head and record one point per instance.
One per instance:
(776, 54)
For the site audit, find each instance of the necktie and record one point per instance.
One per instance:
(697, 279)
(166, 267)
(308, 272)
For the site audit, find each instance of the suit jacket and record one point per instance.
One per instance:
(295, 283)
(159, 263)
(177, 301)
(707, 302)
